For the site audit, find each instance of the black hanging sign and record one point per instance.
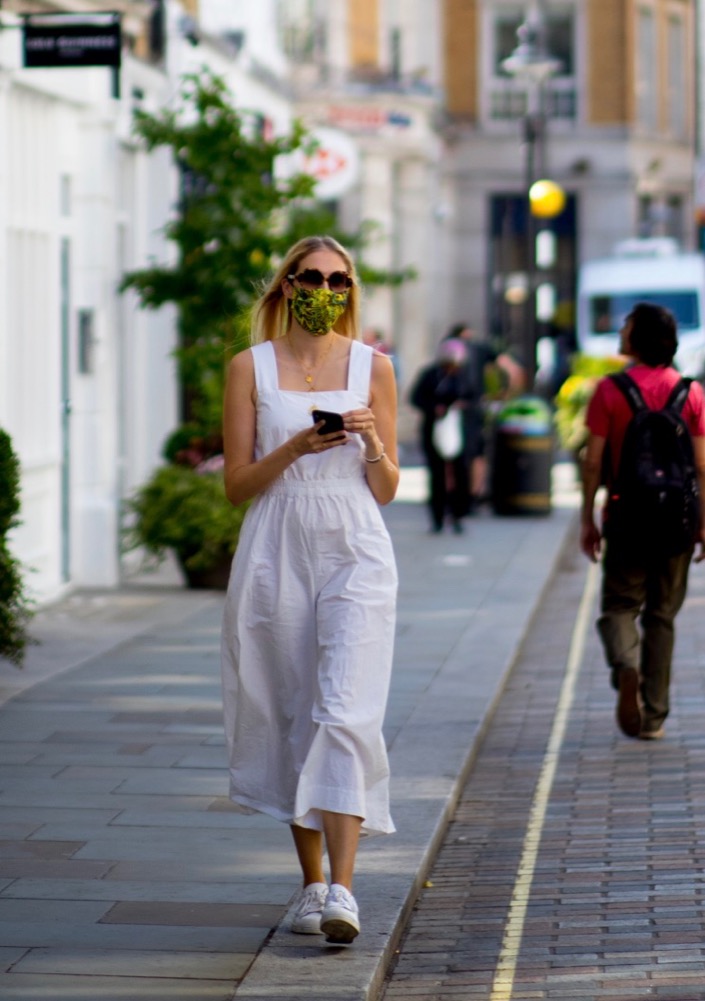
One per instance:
(72, 40)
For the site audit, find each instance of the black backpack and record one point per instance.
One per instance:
(654, 504)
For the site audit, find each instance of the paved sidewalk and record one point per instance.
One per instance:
(124, 871)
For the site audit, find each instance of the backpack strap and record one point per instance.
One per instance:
(679, 394)
(675, 401)
(630, 390)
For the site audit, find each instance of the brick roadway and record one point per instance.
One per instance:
(614, 911)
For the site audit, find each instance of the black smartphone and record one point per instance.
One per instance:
(333, 422)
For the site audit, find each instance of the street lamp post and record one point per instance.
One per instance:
(532, 63)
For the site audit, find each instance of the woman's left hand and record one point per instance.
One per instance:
(361, 422)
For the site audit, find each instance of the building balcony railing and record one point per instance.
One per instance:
(311, 77)
(510, 101)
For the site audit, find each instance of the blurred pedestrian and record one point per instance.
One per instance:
(646, 547)
(442, 394)
(481, 357)
(309, 617)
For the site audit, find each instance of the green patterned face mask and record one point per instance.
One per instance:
(318, 309)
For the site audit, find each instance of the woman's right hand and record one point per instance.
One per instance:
(310, 442)
(245, 475)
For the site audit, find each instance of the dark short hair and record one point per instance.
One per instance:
(653, 338)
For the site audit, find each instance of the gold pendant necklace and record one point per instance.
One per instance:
(310, 376)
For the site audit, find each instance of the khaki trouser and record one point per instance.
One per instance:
(653, 588)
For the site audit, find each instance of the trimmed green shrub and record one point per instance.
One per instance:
(14, 605)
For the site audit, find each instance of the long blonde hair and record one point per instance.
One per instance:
(271, 316)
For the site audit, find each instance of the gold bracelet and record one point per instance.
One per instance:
(378, 458)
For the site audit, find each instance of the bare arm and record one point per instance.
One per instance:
(590, 535)
(245, 477)
(377, 426)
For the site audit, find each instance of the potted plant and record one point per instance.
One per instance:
(184, 509)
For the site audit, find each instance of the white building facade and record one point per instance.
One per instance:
(88, 388)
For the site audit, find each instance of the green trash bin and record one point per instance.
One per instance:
(522, 457)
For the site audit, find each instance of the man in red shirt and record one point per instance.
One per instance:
(641, 583)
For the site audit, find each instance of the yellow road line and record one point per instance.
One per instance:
(505, 971)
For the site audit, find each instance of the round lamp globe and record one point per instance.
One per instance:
(547, 199)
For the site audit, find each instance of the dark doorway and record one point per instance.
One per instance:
(511, 274)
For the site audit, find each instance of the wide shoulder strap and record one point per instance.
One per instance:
(265, 362)
(630, 390)
(679, 394)
(360, 369)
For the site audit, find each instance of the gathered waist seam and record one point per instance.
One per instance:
(324, 487)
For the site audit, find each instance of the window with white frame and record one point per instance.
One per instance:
(646, 69)
(507, 94)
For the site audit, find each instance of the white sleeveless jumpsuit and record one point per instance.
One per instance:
(308, 628)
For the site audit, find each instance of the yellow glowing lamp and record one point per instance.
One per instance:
(547, 199)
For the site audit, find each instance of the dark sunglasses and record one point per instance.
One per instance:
(338, 281)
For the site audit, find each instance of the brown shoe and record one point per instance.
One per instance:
(628, 713)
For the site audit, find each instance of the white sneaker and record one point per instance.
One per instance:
(307, 916)
(340, 921)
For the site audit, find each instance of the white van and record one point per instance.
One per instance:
(652, 270)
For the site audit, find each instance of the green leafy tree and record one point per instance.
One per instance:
(224, 229)
(232, 221)
(14, 605)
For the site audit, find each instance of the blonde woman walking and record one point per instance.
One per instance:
(309, 620)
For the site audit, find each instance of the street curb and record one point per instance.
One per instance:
(428, 776)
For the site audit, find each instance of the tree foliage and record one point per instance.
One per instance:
(231, 223)
(224, 227)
